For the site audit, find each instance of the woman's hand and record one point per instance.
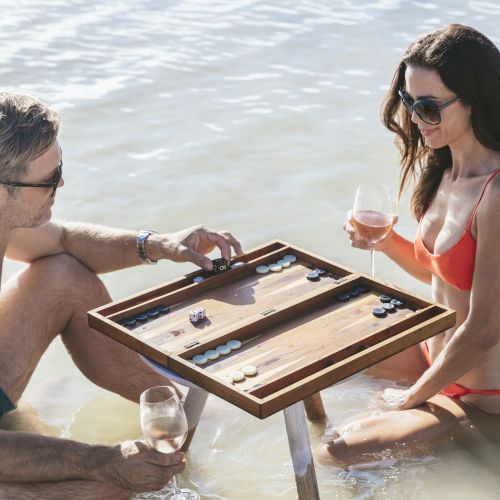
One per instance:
(358, 242)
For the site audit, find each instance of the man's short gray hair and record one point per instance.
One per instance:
(28, 129)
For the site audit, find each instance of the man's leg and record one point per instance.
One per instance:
(51, 297)
(81, 490)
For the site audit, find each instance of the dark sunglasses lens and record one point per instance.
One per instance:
(428, 113)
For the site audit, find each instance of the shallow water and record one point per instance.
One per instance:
(257, 117)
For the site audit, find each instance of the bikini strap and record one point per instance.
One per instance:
(469, 223)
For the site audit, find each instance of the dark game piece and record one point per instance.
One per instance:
(379, 312)
(397, 303)
(389, 307)
(153, 313)
(322, 273)
(312, 276)
(385, 298)
(163, 309)
(141, 317)
(353, 293)
(343, 297)
(129, 323)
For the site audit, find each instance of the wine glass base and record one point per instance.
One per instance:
(185, 494)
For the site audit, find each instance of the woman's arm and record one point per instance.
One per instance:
(481, 329)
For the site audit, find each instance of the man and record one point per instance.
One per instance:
(52, 296)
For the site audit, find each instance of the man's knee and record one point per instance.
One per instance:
(65, 276)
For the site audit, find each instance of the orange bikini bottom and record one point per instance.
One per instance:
(456, 390)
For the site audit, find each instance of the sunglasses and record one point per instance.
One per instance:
(53, 183)
(426, 110)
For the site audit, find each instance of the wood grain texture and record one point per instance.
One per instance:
(296, 332)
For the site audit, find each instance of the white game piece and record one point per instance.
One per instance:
(227, 379)
(237, 376)
(237, 265)
(275, 268)
(262, 269)
(200, 359)
(223, 349)
(290, 258)
(198, 279)
(234, 344)
(211, 354)
(284, 263)
(249, 370)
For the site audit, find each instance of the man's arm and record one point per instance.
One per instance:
(105, 249)
(26, 457)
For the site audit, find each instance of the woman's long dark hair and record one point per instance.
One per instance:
(469, 65)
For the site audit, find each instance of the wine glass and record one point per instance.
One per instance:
(372, 216)
(165, 428)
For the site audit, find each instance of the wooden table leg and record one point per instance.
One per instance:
(193, 407)
(314, 407)
(300, 449)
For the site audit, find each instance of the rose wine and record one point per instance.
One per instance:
(372, 225)
(165, 434)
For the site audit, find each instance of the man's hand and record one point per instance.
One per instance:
(137, 467)
(191, 245)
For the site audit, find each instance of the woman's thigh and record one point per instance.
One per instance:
(407, 365)
(440, 418)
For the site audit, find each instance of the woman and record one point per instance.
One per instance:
(444, 107)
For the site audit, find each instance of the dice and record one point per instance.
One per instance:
(220, 265)
(197, 314)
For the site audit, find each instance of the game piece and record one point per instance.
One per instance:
(397, 303)
(237, 265)
(389, 307)
(313, 276)
(129, 322)
(223, 349)
(163, 309)
(343, 297)
(249, 371)
(290, 258)
(153, 313)
(322, 273)
(237, 376)
(234, 344)
(200, 359)
(379, 312)
(283, 263)
(262, 269)
(385, 298)
(211, 354)
(353, 293)
(198, 279)
(141, 317)
(275, 268)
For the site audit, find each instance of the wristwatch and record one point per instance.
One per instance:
(141, 246)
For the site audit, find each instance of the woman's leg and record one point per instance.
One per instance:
(439, 418)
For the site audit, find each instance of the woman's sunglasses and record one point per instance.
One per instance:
(53, 183)
(426, 110)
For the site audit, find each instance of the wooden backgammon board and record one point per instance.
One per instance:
(302, 335)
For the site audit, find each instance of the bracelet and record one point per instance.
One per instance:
(141, 246)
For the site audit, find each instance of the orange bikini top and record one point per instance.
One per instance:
(456, 265)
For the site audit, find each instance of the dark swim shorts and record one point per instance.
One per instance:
(6, 404)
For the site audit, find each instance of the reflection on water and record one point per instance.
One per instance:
(259, 117)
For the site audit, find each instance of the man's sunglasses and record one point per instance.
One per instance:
(53, 183)
(426, 110)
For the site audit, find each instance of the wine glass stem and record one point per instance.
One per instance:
(177, 490)
(372, 262)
